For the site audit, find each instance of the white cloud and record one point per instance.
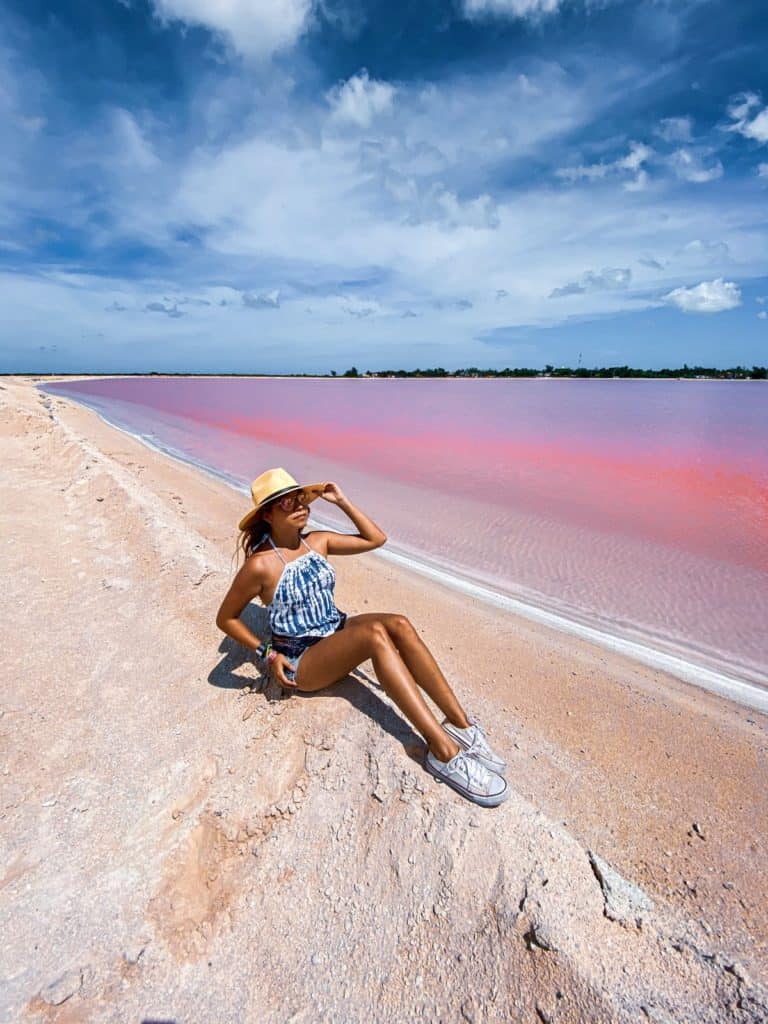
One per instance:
(762, 171)
(346, 18)
(675, 129)
(511, 8)
(360, 99)
(169, 309)
(741, 111)
(255, 28)
(652, 263)
(762, 315)
(708, 297)
(134, 148)
(688, 165)
(609, 279)
(757, 128)
(585, 172)
(405, 197)
(633, 162)
(637, 184)
(267, 300)
(442, 205)
(700, 253)
(741, 105)
(360, 308)
(637, 156)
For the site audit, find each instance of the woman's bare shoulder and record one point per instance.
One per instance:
(258, 564)
(317, 540)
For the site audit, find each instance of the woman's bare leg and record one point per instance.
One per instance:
(335, 656)
(420, 662)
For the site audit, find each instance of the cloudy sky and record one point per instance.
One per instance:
(304, 185)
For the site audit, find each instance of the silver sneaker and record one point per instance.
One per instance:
(474, 742)
(470, 778)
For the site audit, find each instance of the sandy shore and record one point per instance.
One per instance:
(178, 848)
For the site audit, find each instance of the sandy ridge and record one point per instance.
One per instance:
(178, 849)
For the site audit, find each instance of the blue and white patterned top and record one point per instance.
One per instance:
(303, 604)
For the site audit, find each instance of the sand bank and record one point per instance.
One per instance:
(176, 848)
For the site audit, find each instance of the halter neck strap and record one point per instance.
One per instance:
(277, 552)
(274, 548)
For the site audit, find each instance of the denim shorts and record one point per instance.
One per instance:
(295, 647)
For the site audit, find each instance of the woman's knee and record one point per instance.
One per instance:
(377, 636)
(401, 628)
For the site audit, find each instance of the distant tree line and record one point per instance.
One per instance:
(684, 372)
(688, 372)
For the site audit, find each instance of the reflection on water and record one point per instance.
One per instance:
(639, 506)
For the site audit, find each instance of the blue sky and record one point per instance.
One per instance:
(304, 185)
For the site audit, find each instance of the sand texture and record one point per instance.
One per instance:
(182, 843)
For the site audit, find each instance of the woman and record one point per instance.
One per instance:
(314, 644)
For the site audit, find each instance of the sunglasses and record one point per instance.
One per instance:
(289, 502)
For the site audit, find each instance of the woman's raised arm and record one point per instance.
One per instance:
(369, 535)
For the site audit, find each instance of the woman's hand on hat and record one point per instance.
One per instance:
(279, 664)
(333, 493)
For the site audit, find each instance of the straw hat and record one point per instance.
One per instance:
(274, 483)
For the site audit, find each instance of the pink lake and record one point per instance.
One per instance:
(637, 507)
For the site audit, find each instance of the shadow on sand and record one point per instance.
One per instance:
(226, 675)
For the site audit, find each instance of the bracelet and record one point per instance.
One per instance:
(262, 651)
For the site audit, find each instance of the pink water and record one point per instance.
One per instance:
(639, 507)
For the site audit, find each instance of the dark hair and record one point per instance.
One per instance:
(255, 532)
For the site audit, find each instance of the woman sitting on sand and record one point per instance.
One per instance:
(314, 644)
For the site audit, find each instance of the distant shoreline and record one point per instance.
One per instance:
(640, 375)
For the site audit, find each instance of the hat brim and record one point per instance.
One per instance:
(313, 492)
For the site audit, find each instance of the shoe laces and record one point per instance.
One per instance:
(473, 770)
(479, 741)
